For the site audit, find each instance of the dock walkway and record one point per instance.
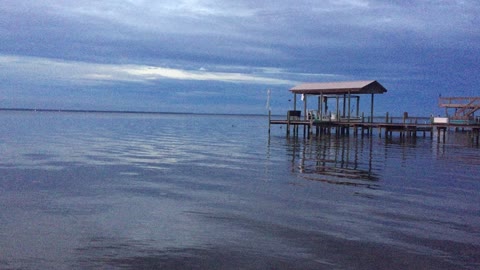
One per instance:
(338, 110)
(405, 129)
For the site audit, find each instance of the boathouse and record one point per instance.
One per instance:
(348, 92)
(337, 108)
(464, 110)
(325, 115)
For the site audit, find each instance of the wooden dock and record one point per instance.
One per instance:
(409, 128)
(338, 111)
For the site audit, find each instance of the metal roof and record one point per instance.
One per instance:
(339, 88)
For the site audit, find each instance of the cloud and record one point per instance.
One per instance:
(243, 32)
(156, 73)
(43, 69)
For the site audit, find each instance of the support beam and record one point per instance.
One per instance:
(358, 106)
(305, 107)
(320, 105)
(338, 109)
(349, 108)
(294, 102)
(320, 100)
(326, 104)
(371, 109)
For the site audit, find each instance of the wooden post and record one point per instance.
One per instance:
(371, 108)
(294, 102)
(288, 114)
(338, 109)
(320, 105)
(288, 124)
(371, 112)
(414, 132)
(349, 108)
(439, 130)
(305, 106)
(358, 106)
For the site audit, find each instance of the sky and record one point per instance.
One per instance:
(222, 56)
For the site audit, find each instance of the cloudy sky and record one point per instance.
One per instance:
(222, 56)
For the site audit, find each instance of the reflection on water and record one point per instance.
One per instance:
(82, 191)
(328, 159)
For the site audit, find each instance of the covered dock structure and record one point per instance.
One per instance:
(337, 90)
(345, 96)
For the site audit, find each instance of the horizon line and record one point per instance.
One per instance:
(122, 111)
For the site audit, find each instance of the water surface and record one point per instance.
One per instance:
(139, 191)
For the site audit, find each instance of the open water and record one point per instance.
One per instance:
(141, 191)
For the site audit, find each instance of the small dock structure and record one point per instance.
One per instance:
(337, 109)
(464, 109)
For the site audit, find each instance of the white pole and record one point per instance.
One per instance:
(269, 94)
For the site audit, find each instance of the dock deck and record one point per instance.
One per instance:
(338, 110)
(406, 129)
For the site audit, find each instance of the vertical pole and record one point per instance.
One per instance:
(288, 123)
(305, 113)
(319, 106)
(326, 104)
(349, 114)
(305, 107)
(320, 101)
(294, 102)
(358, 106)
(371, 112)
(294, 108)
(371, 108)
(344, 103)
(349, 108)
(338, 109)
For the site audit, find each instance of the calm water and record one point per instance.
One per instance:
(124, 191)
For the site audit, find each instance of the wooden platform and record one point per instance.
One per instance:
(345, 128)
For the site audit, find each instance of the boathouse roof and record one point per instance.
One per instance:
(339, 88)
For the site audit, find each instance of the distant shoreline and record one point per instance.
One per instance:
(120, 112)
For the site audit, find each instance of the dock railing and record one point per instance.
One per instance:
(295, 117)
(386, 119)
(406, 126)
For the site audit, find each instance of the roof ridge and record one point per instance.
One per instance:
(362, 87)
